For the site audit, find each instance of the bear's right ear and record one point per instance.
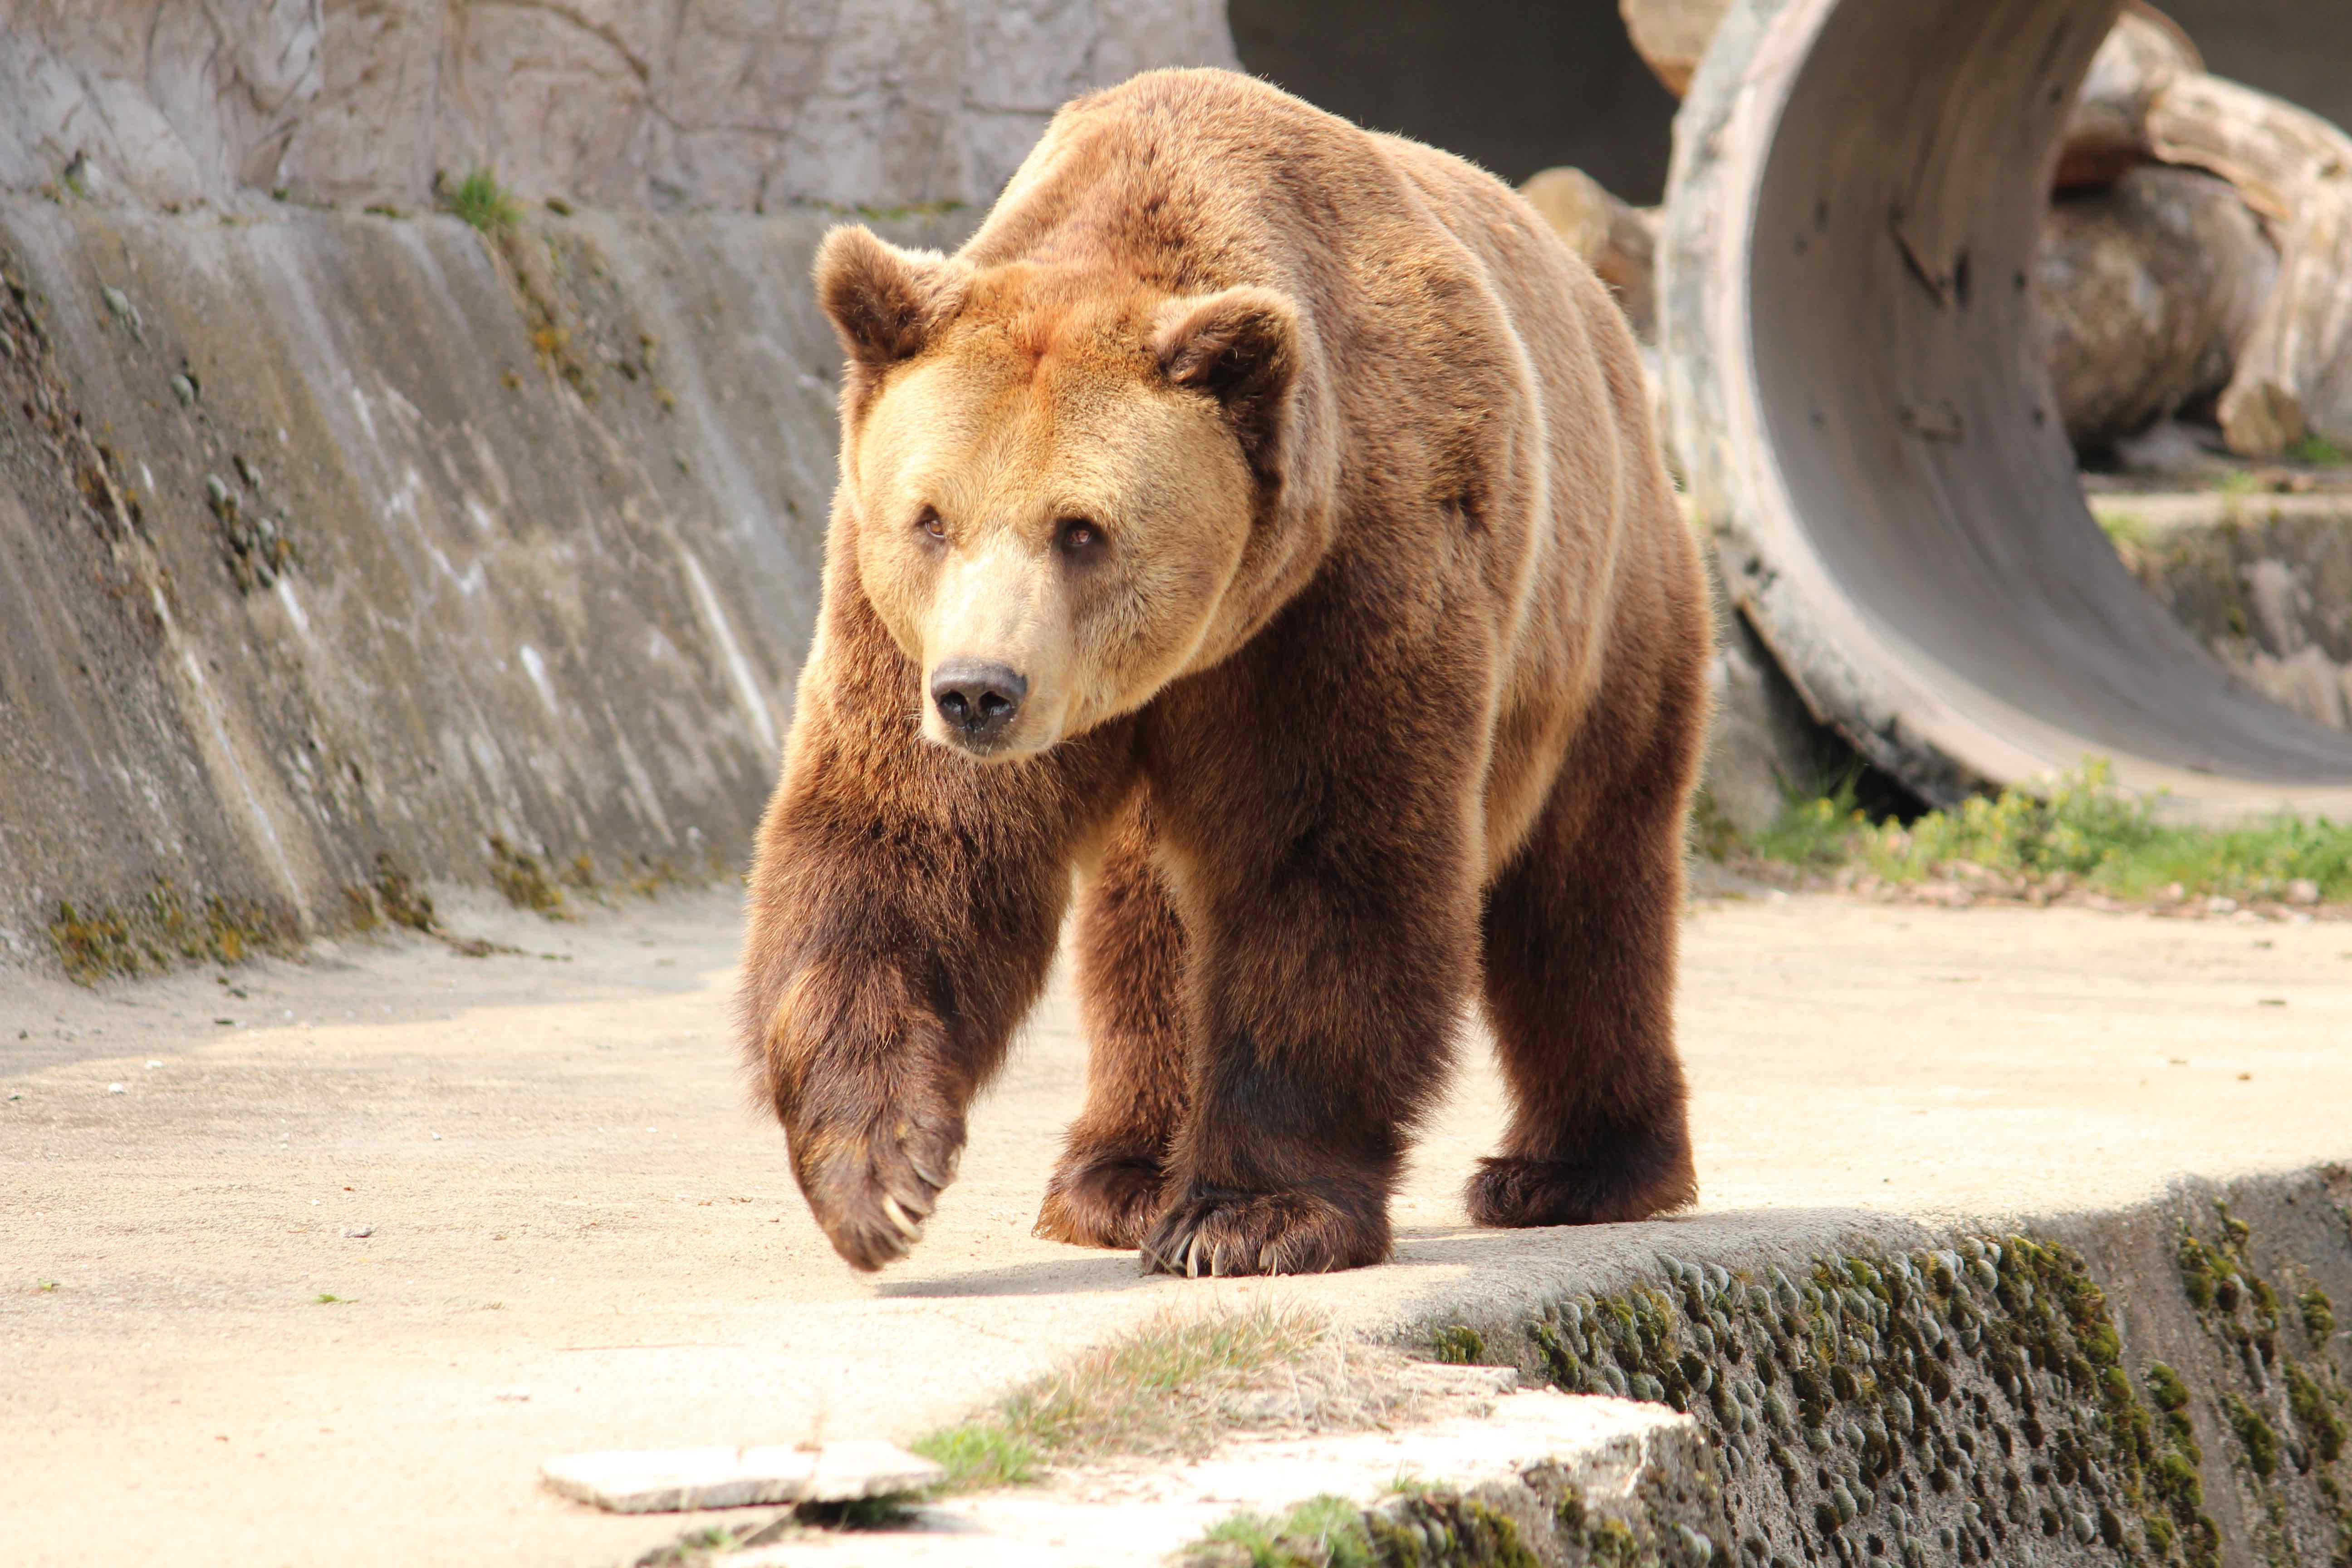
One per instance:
(1241, 346)
(886, 302)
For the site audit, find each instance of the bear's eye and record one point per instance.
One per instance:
(929, 522)
(1078, 535)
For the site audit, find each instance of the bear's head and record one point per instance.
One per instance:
(1057, 483)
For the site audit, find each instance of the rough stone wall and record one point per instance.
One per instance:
(743, 104)
(2165, 1385)
(2270, 594)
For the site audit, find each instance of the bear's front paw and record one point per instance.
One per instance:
(872, 1189)
(1102, 1201)
(1225, 1233)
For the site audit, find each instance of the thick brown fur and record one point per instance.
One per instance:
(1307, 482)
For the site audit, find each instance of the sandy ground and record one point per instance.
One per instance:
(548, 1219)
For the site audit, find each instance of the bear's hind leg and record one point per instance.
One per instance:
(1109, 1187)
(1580, 938)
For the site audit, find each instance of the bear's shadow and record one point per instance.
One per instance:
(1099, 1273)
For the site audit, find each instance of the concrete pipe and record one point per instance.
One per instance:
(1865, 421)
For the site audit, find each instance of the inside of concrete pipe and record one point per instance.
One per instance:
(1905, 399)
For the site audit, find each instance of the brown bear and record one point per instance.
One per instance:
(1259, 518)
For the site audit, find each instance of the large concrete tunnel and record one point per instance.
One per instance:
(1863, 411)
(1860, 401)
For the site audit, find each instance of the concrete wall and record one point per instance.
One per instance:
(554, 591)
(665, 103)
(338, 539)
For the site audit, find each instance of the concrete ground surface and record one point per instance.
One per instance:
(360, 1240)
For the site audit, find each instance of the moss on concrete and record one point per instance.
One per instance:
(160, 931)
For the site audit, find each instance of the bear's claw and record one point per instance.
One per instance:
(873, 1193)
(1226, 1234)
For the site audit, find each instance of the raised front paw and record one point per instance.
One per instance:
(872, 1187)
(1225, 1233)
(1103, 1200)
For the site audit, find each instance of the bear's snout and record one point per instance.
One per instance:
(978, 701)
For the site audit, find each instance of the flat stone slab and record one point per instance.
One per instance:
(1134, 1514)
(678, 1480)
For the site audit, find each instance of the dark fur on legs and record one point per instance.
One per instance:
(1109, 1185)
(1580, 933)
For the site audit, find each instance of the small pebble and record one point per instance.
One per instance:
(185, 390)
(360, 1232)
(118, 1089)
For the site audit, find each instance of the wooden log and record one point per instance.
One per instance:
(1619, 240)
(2149, 289)
(2293, 374)
(2106, 134)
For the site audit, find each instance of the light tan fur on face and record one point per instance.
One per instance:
(1026, 416)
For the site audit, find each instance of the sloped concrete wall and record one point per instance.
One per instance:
(342, 545)
(550, 544)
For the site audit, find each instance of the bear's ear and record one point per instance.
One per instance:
(886, 302)
(1241, 346)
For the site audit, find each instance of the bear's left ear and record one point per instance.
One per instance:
(1241, 346)
(886, 302)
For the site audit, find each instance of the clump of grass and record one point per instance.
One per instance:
(2125, 528)
(2318, 1314)
(324, 1299)
(1322, 1533)
(2317, 450)
(524, 881)
(1170, 1388)
(481, 201)
(2077, 831)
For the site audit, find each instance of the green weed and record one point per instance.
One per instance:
(2076, 831)
(481, 201)
(1321, 1532)
(2317, 450)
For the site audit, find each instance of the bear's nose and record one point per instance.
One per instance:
(977, 700)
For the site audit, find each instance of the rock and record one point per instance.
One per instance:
(2148, 289)
(1617, 239)
(1765, 748)
(2303, 891)
(1671, 36)
(669, 1480)
(359, 1232)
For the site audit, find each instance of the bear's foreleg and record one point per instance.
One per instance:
(903, 910)
(1109, 1187)
(1331, 898)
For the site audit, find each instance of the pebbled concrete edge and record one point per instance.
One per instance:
(2159, 1383)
